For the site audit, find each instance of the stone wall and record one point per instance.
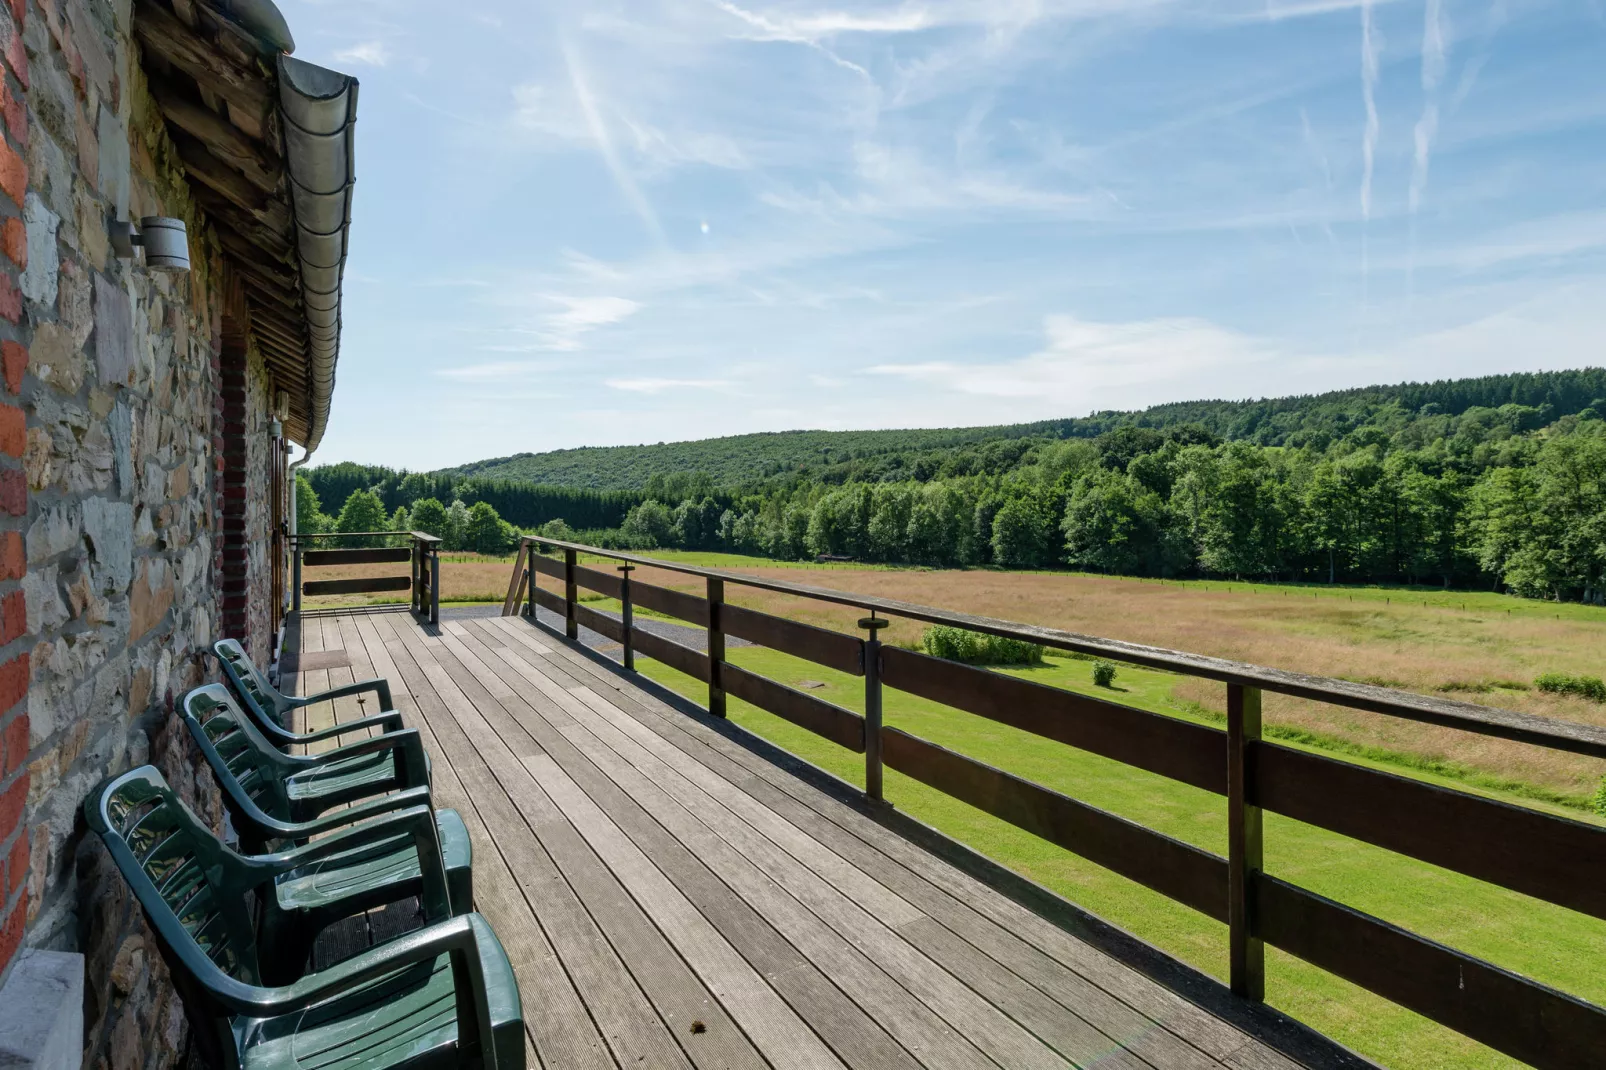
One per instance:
(115, 371)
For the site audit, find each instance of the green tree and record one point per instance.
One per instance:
(429, 516)
(650, 524)
(401, 520)
(487, 532)
(363, 511)
(1115, 524)
(456, 533)
(310, 517)
(1023, 531)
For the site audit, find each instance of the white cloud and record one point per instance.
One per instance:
(370, 53)
(1083, 359)
(495, 371)
(584, 313)
(1371, 47)
(1434, 52)
(647, 385)
(813, 27)
(1552, 238)
(562, 330)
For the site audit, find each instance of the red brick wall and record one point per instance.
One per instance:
(14, 742)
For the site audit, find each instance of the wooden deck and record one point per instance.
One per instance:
(671, 897)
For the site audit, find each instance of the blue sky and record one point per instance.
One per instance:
(613, 222)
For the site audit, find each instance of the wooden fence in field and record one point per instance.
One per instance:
(422, 550)
(1548, 857)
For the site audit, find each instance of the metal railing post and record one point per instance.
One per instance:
(872, 706)
(716, 648)
(1247, 954)
(627, 615)
(571, 595)
(434, 585)
(296, 552)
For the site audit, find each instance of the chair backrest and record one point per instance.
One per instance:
(249, 769)
(192, 887)
(250, 683)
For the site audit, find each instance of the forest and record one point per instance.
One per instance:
(1414, 484)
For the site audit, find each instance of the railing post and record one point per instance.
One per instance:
(627, 615)
(1247, 955)
(872, 706)
(716, 648)
(296, 552)
(571, 595)
(529, 606)
(418, 570)
(434, 585)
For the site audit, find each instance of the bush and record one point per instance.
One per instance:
(1104, 673)
(976, 648)
(1561, 683)
(1600, 798)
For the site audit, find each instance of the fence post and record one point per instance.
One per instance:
(627, 615)
(434, 585)
(296, 554)
(716, 648)
(872, 706)
(571, 595)
(418, 569)
(1247, 955)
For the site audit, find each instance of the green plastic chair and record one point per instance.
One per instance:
(260, 813)
(299, 787)
(441, 997)
(274, 711)
(307, 902)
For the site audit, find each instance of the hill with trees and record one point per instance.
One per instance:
(1315, 419)
(1493, 482)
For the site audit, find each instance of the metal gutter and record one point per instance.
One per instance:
(319, 112)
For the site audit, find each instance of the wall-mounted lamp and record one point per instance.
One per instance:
(166, 242)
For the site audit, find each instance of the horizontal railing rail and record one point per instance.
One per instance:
(422, 552)
(1549, 857)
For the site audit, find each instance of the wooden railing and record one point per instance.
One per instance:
(1548, 857)
(423, 551)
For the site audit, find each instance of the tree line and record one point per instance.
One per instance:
(476, 528)
(523, 504)
(1490, 497)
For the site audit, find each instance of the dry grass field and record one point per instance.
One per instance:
(1489, 652)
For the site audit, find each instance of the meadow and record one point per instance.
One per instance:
(1475, 646)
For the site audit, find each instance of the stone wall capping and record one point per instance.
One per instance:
(42, 1012)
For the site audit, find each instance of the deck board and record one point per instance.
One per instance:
(670, 897)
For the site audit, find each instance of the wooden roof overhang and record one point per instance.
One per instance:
(268, 160)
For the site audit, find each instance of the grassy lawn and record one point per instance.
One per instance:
(1548, 943)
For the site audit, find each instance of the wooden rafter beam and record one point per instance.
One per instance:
(261, 239)
(274, 262)
(223, 139)
(162, 33)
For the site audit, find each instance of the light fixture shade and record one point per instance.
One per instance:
(167, 243)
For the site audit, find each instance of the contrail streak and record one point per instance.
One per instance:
(610, 155)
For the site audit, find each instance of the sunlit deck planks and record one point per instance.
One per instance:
(670, 897)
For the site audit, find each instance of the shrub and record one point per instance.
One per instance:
(1561, 683)
(1600, 798)
(1104, 673)
(976, 648)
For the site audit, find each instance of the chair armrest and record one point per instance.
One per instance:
(337, 819)
(388, 721)
(417, 821)
(455, 937)
(378, 684)
(412, 767)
